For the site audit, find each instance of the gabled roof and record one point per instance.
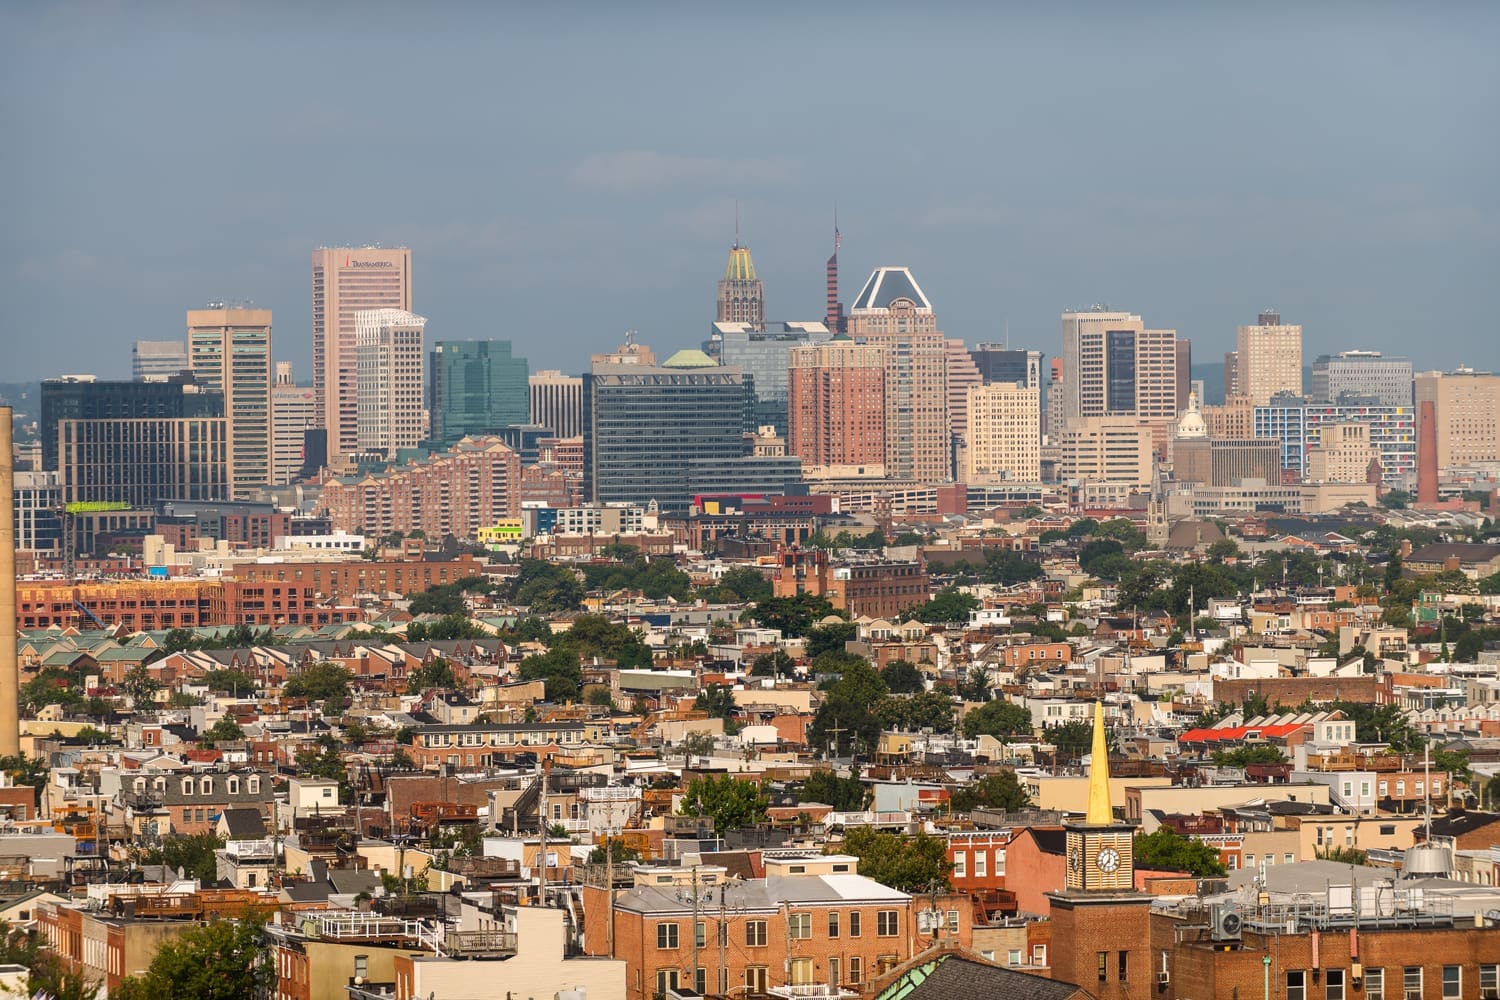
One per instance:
(886, 285)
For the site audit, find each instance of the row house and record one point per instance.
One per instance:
(186, 804)
(488, 743)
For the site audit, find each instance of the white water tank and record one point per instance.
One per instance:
(1427, 861)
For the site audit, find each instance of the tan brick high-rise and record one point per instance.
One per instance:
(1268, 359)
(1467, 406)
(346, 280)
(894, 313)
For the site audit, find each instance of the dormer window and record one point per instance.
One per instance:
(206, 786)
(187, 786)
(253, 785)
(234, 786)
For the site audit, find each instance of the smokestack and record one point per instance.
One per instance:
(10, 671)
(1427, 470)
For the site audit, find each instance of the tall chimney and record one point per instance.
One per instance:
(10, 671)
(1427, 462)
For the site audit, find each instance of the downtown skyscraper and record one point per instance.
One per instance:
(229, 352)
(346, 280)
(478, 387)
(892, 312)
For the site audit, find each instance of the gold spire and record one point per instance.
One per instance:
(1100, 813)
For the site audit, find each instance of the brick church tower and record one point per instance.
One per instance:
(1101, 926)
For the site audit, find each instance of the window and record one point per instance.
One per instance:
(1411, 979)
(666, 936)
(1333, 984)
(206, 786)
(1453, 982)
(700, 981)
(1296, 985)
(1102, 958)
(755, 933)
(887, 923)
(252, 784)
(361, 966)
(960, 864)
(1375, 984)
(234, 786)
(1014, 958)
(802, 971)
(1288, 858)
(1039, 954)
(1388, 829)
(953, 921)
(833, 923)
(854, 918)
(981, 859)
(756, 979)
(1124, 966)
(666, 979)
(799, 926)
(856, 968)
(1000, 861)
(1489, 978)
(700, 936)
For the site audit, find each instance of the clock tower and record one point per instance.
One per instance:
(1101, 926)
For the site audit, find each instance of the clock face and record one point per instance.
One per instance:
(1108, 860)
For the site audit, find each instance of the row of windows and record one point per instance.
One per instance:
(799, 928)
(1378, 985)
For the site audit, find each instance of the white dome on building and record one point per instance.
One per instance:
(1190, 423)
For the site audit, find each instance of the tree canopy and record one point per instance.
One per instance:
(318, 682)
(993, 791)
(999, 719)
(947, 605)
(843, 794)
(906, 863)
(223, 960)
(902, 677)
(1165, 849)
(733, 803)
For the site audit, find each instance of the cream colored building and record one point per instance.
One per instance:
(390, 366)
(1268, 359)
(1004, 441)
(1233, 420)
(1114, 367)
(294, 409)
(1467, 406)
(346, 280)
(1343, 455)
(229, 350)
(1108, 450)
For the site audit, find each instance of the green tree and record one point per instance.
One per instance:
(193, 854)
(908, 864)
(1343, 855)
(947, 605)
(1224, 548)
(139, 686)
(596, 635)
(830, 638)
(1073, 740)
(326, 762)
(225, 730)
(903, 677)
(844, 794)
(792, 615)
(1243, 756)
(998, 718)
(618, 849)
(773, 664)
(223, 960)
(1124, 531)
(975, 686)
(454, 626)
(746, 584)
(732, 803)
(558, 669)
(24, 770)
(545, 588)
(229, 681)
(925, 710)
(325, 682)
(994, 791)
(718, 701)
(435, 673)
(443, 599)
(1167, 850)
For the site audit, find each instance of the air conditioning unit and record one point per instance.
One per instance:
(1163, 979)
(1490, 993)
(1226, 923)
(1413, 995)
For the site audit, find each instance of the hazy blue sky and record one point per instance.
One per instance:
(563, 175)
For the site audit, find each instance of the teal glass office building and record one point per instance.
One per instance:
(476, 387)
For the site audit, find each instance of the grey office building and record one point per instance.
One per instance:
(1355, 378)
(764, 355)
(1001, 364)
(667, 432)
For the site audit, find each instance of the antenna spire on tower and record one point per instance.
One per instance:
(736, 223)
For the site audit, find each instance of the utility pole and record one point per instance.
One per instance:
(693, 972)
(723, 983)
(541, 815)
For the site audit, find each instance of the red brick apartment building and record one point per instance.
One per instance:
(873, 590)
(805, 923)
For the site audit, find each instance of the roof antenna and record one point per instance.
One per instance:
(736, 223)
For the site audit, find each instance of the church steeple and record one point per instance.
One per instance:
(1100, 813)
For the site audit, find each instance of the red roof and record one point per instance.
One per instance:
(1231, 733)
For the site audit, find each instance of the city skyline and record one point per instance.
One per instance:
(1213, 202)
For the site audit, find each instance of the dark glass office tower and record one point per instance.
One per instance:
(478, 387)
